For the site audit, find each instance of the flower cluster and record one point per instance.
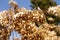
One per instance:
(5, 28)
(29, 23)
(54, 10)
(26, 25)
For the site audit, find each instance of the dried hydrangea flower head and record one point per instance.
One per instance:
(54, 10)
(47, 32)
(26, 23)
(4, 25)
(36, 16)
(28, 28)
(4, 18)
(4, 33)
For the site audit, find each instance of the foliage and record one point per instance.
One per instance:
(43, 4)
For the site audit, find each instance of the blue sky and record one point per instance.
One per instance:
(4, 5)
(22, 3)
